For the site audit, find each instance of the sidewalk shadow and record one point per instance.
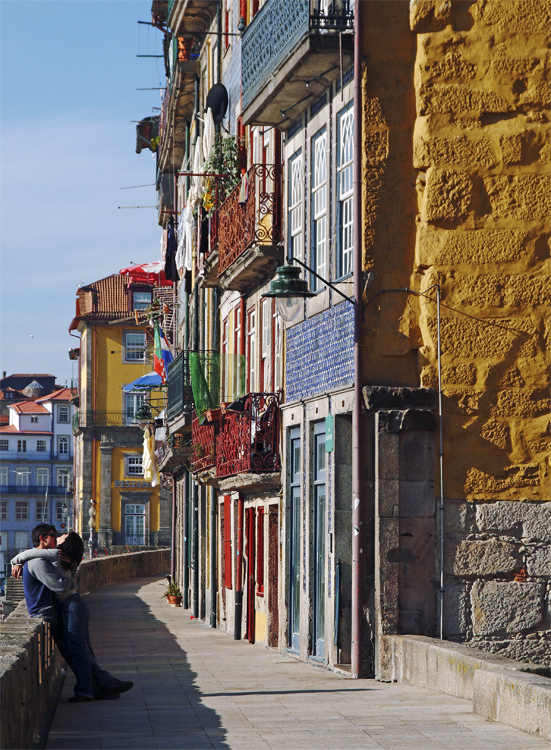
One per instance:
(163, 710)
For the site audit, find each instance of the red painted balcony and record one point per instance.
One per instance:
(249, 228)
(203, 442)
(248, 441)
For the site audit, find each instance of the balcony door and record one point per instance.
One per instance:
(134, 524)
(319, 529)
(294, 537)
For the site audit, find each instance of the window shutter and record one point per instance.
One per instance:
(227, 542)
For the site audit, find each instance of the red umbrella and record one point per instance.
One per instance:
(147, 273)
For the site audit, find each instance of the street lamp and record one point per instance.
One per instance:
(289, 289)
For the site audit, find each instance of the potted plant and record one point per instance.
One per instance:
(173, 594)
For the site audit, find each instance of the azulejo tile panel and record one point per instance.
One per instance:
(320, 353)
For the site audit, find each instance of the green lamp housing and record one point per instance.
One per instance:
(288, 283)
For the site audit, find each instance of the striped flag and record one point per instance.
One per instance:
(162, 356)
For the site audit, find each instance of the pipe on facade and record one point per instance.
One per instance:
(185, 551)
(213, 556)
(239, 572)
(195, 558)
(357, 667)
(173, 531)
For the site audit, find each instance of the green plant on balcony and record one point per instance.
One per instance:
(224, 159)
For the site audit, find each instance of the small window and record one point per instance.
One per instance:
(42, 477)
(141, 300)
(41, 446)
(22, 512)
(63, 445)
(21, 540)
(42, 510)
(134, 466)
(4, 475)
(3, 510)
(132, 402)
(34, 419)
(4, 445)
(63, 414)
(134, 347)
(21, 446)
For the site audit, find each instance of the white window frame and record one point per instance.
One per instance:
(133, 461)
(21, 541)
(19, 506)
(59, 510)
(295, 200)
(141, 304)
(63, 477)
(134, 351)
(41, 446)
(41, 510)
(251, 348)
(319, 207)
(4, 510)
(4, 476)
(22, 476)
(265, 345)
(62, 440)
(4, 445)
(345, 191)
(132, 402)
(21, 446)
(34, 419)
(63, 410)
(42, 472)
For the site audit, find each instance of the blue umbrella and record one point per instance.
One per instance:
(149, 380)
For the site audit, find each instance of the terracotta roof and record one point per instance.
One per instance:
(105, 299)
(30, 407)
(4, 419)
(64, 394)
(12, 429)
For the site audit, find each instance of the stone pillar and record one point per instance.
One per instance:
(105, 532)
(405, 513)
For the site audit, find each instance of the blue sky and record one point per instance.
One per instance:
(68, 81)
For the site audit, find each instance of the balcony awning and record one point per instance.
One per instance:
(149, 380)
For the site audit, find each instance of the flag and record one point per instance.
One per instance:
(162, 356)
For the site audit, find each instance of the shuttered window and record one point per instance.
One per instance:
(227, 542)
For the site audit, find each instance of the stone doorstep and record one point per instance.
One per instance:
(500, 689)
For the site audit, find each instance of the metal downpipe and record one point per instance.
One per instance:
(357, 667)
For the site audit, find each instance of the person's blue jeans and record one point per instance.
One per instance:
(91, 678)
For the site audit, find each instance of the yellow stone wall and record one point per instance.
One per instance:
(457, 186)
(481, 145)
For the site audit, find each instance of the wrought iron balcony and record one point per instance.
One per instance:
(248, 441)
(290, 43)
(173, 452)
(179, 393)
(203, 439)
(104, 419)
(251, 221)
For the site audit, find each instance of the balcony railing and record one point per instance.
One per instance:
(203, 438)
(16, 489)
(278, 28)
(179, 393)
(104, 419)
(254, 218)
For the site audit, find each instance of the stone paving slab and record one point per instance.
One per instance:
(198, 688)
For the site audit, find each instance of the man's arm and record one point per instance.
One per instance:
(45, 572)
(29, 554)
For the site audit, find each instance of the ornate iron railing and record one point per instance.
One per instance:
(203, 439)
(107, 419)
(277, 29)
(179, 393)
(244, 220)
(248, 441)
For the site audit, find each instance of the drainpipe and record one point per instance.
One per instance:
(213, 493)
(173, 531)
(239, 573)
(185, 551)
(358, 531)
(195, 558)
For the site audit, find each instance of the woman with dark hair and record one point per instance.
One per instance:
(92, 682)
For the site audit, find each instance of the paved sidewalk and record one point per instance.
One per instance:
(198, 688)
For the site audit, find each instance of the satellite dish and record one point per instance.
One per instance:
(217, 100)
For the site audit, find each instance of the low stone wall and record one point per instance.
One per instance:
(497, 590)
(501, 689)
(29, 663)
(30, 668)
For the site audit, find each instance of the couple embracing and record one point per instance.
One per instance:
(49, 581)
